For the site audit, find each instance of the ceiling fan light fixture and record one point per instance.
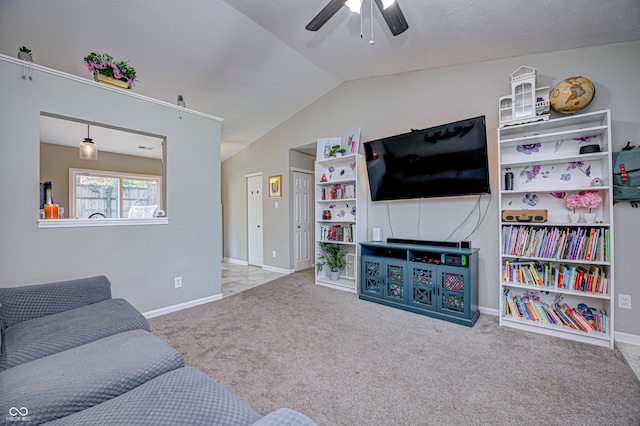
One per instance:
(88, 149)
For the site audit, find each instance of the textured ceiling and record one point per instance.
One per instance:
(252, 63)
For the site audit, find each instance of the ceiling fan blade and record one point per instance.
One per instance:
(394, 17)
(325, 14)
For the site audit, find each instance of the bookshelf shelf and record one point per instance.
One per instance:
(351, 243)
(340, 200)
(573, 261)
(552, 289)
(338, 220)
(337, 181)
(601, 338)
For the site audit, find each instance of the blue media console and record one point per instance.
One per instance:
(432, 280)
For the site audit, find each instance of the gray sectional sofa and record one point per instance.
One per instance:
(72, 355)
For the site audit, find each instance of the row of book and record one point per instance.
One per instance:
(581, 243)
(572, 277)
(525, 273)
(592, 280)
(342, 233)
(562, 315)
(339, 192)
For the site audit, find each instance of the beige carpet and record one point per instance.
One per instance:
(343, 361)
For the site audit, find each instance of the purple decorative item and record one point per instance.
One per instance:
(529, 148)
(530, 172)
(585, 139)
(559, 195)
(579, 165)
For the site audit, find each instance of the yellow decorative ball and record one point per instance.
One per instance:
(572, 94)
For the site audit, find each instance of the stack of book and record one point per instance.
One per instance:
(556, 243)
(532, 309)
(342, 233)
(339, 192)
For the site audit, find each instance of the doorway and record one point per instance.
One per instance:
(303, 235)
(254, 220)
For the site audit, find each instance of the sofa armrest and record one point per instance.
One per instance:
(285, 416)
(19, 304)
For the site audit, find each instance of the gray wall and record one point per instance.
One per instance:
(140, 261)
(389, 105)
(56, 160)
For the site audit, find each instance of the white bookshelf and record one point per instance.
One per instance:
(545, 160)
(342, 192)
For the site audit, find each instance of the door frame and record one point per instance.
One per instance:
(312, 216)
(247, 177)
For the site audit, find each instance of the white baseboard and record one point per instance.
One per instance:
(488, 311)
(181, 306)
(279, 270)
(236, 261)
(632, 339)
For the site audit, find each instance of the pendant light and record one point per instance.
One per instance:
(88, 149)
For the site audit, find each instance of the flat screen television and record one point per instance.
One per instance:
(442, 161)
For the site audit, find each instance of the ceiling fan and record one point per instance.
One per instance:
(390, 10)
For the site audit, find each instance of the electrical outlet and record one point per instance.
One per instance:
(273, 253)
(178, 282)
(624, 301)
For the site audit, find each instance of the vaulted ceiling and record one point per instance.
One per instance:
(252, 63)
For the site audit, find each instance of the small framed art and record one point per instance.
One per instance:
(353, 140)
(324, 147)
(275, 186)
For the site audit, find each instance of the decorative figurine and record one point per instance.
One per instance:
(526, 102)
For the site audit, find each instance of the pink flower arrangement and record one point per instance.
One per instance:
(573, 202)
(106, 65)
(590, 199)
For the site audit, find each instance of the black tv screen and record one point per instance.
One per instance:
(442, 161)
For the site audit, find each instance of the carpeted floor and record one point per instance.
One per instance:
(343, 361)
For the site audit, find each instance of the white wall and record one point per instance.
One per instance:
(140, 261)
(389, 105)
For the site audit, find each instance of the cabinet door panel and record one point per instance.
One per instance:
(423, 279)
(372, 282)
(395, 285)
(453, 297)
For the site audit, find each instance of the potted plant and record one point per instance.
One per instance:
(181, 101)
(25, 54)
(573, 202)
(106, 70)
(334, 256)
(590, 200)
(337, 151)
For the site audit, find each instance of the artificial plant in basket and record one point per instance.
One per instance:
(105, 64)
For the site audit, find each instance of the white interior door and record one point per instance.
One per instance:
(302, 222)
(254, 220)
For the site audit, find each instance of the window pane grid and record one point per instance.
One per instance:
(114, 195)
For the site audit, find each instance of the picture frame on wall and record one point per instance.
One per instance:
(275, 186)
(353, 142)
(324, 147)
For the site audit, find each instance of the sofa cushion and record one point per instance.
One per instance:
(70, 381)
(185, 396)
(32, 301)
(285, 417)
(39, 337)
